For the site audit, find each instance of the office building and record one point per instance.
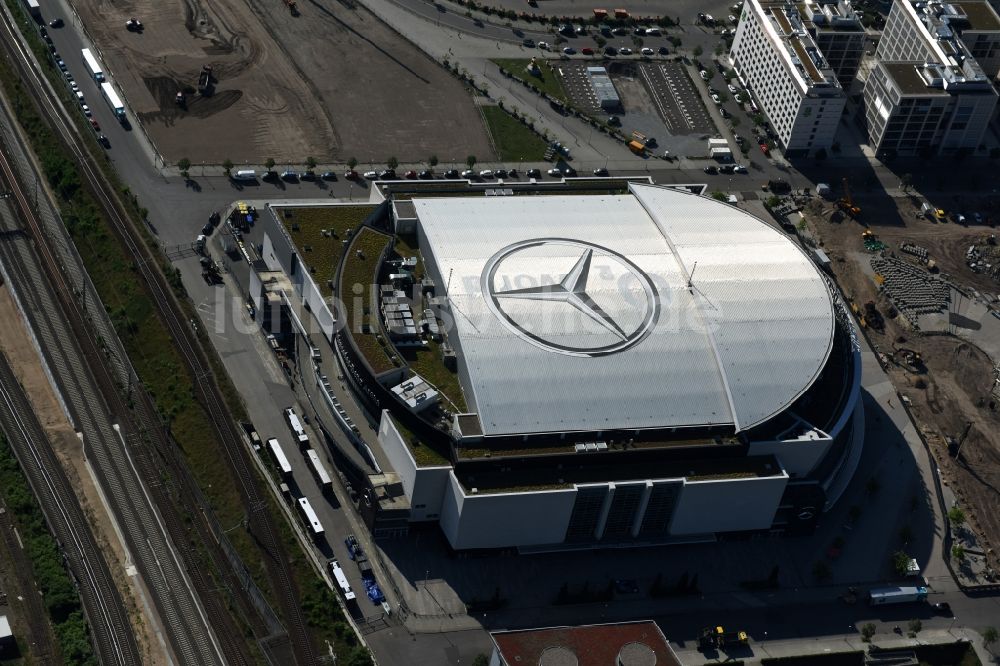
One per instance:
(784, 69)
(927, 93)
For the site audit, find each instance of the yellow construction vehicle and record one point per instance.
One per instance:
(846, 203)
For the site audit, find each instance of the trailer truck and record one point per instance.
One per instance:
(880, 596)
(114, 101)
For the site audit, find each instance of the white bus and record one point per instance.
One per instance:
(279, 458)
(114, 101)
(315, 527)
(93, 66)
(292, 419)
(342, 584)
(319, 470)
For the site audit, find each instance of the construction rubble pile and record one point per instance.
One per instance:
(984, 257)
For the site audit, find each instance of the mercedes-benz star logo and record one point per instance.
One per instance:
(621, 330)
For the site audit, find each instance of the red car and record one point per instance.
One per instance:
(351, 175)
(410, 175)
(587, 51)
(764, 149)
(93, 123)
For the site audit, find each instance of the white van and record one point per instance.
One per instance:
(246, 174)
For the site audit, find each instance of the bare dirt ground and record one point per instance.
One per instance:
(331, 83)
(956, 388)
(17, 347)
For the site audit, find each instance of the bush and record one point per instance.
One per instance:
(867, 631)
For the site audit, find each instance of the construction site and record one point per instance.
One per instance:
(247, 81)
(925, 293)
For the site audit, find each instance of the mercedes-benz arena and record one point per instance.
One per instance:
(650, 367)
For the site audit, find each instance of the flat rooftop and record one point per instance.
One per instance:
(580, 313)
(908, 79)
(789, 25)
(980, 15)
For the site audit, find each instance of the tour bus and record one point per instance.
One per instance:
(341, 580)
(312, 522)
(319, 470)
(279, 458)
(292, 419)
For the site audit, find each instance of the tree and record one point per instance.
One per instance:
(471, 161)
(905, 534)
(227, 166)
(956, 516)
(719, 196)
(958, 552)
(184, 164)
(311, 163)
(698, 51)
(900, 562)
(392, 163)
(915, 627)
(990, 637)
(353, 162)
(906, 182)
(432, 161)
(359, 656)
(481, 660)
(269, 163)
(867, 631)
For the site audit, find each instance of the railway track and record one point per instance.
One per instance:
(260, 521)
(103, 605)
(147, 541)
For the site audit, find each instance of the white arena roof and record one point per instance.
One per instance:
(575, 312)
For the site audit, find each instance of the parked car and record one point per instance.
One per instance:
(61, 65)
(289, 175)
(308, 175)
(716, 99)
(425, 175)
(387, 174)
(543, 46)
(733, 19)
(351, 175)
(614, 121)
(500, 173)
(601, 171)
(371, 175)
(704, 75)
(610, 51)
(529, 42)
(640, 31)
(56, 23)
(95, 125)
(653, 32)
(569, 171)
(569, 50)
(620, 31)
(86, 110)
(738, 98)
(103, 140)
(329, 175)
(764, 149)
(451, 173)
(468, 173)
(663, 50)
(534, 173)
(740, 168)
(942, 608)
(732, 88)
(624, 51)
(646, 51)
(410, 175)
(555, 172)
(486, 173)
(711, 170)
(587, 51)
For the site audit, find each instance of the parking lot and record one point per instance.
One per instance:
(676, 98)
(576, 83)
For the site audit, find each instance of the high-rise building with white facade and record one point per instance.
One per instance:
(839, 34)
(927, 92)
(780, 63)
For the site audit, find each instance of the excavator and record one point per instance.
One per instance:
(846, 203)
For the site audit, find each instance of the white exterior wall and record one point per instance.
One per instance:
(424, 486)
(504, 520)
(727, 505)
(815, 123)
(797, 457)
